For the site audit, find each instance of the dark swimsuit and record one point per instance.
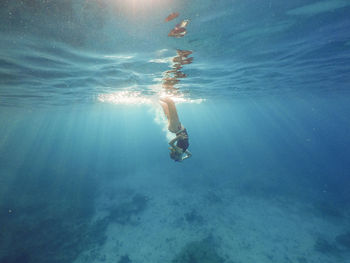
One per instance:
(183, 143)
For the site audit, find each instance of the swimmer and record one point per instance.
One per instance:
(179, 30)
(184, 53)
(172, 16)
(180, 143)
(170, 81)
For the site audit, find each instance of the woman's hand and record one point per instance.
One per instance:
(182, 136)
(188, 155)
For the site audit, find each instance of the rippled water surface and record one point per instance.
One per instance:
(58, 52)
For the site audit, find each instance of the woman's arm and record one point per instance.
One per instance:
(188, 155)
(172, 142)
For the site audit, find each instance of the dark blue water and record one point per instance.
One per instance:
(85, 173)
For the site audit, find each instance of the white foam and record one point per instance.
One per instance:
(162, 60)
(124, 97)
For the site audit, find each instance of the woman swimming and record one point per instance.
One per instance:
(180, 143)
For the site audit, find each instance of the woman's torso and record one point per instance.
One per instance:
(183, 143)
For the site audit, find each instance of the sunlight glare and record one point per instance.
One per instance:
(126, 97)
(138, 7)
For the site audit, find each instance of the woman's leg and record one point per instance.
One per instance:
(171, 113)
(165, 108)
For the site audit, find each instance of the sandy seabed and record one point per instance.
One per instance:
(241, 228)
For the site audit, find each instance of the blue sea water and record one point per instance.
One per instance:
(85, 173)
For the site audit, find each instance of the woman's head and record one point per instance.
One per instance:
(175, 155)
